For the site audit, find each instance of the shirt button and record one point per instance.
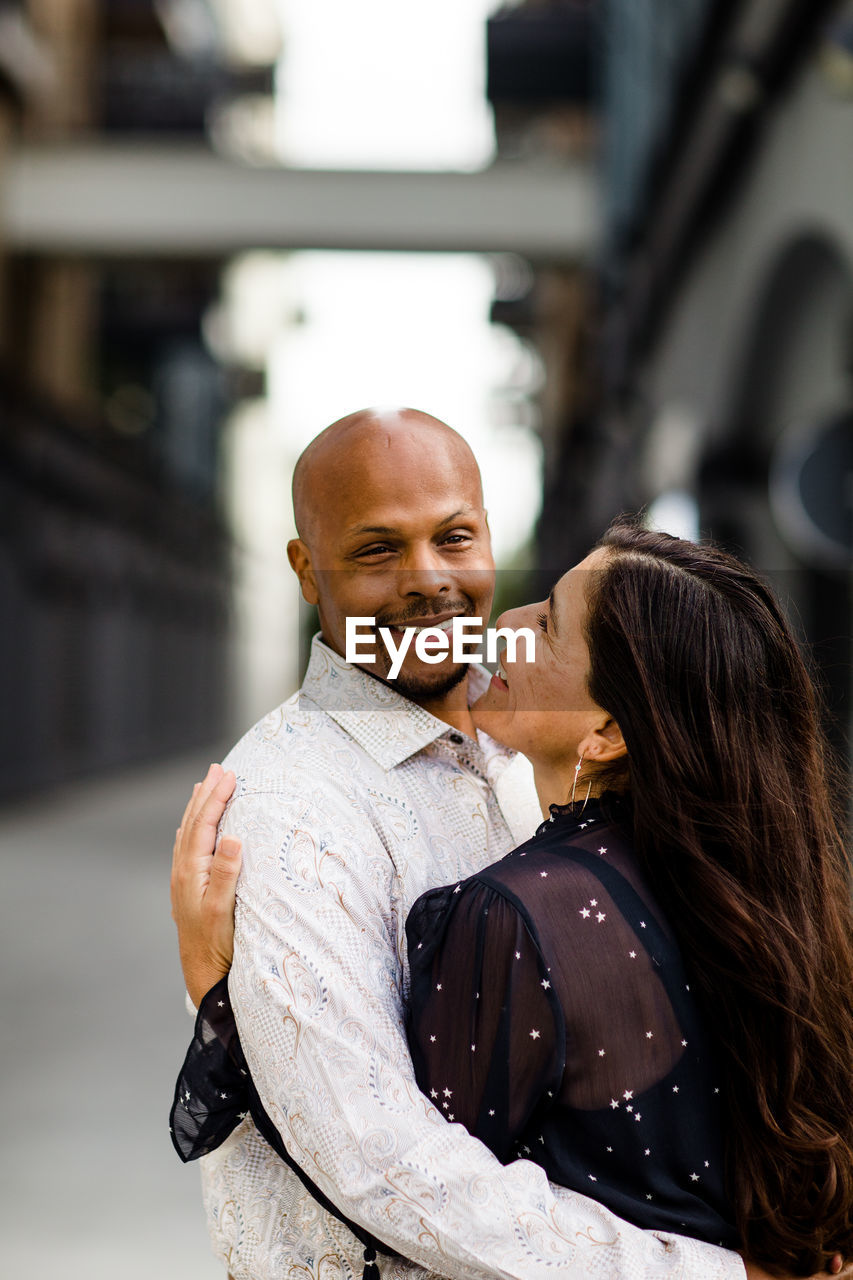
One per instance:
(457, 739)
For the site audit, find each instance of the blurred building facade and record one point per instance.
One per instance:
(704, 356)
(114, 558)
(713, 353)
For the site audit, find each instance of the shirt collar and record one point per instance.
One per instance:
(388, 726)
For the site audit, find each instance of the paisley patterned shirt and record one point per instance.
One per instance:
(351, 801)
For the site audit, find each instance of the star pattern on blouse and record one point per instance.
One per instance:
(220, 1004)
(599, 910)
(433, 1093)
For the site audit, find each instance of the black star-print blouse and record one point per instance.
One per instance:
(550, 1013)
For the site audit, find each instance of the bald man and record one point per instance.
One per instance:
(351, 800)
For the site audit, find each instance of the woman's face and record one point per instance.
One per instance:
(543, 707)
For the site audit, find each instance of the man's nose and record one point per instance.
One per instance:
(424, 572)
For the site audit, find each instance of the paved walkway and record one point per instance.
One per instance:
(93, 1030)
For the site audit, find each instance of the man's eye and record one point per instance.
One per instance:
(542, 621)
(380, 549)
(457, 538)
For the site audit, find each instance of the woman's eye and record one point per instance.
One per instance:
(542, 621)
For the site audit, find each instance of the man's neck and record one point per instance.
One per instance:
(452, 708)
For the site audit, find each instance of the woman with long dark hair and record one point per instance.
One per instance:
(652, 996)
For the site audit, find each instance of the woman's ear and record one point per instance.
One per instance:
(300, 562)
(604, 742)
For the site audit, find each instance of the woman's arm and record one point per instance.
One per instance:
(485, 1032)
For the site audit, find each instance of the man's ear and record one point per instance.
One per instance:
(604, 742)
(300, 562)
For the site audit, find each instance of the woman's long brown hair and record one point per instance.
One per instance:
(733, 819)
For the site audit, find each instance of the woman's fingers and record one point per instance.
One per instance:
(221, 898)
(201, 793)
(204, 884)
(195, 839)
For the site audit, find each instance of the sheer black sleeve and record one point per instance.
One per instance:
(485, 1031)
(212, 1092)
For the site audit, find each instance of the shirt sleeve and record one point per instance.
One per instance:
(316, 987)
(485, 1032)
(212, 1093)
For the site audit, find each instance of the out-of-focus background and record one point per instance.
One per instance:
(611, 241)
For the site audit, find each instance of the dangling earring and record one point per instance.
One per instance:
(575, 782)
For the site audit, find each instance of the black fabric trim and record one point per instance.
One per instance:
(222, 1061)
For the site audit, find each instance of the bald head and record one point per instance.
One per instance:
(401, 441)
(389, 508)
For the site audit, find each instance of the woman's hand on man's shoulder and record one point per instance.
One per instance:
(204, 885)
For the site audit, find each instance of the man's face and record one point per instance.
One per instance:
(400, 535)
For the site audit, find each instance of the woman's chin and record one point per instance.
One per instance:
(494, 719)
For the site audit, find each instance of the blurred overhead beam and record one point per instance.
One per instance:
(130, 199)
